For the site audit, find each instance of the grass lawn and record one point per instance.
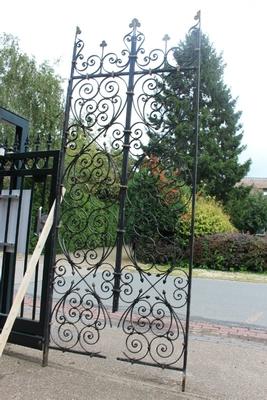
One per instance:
(231, 276)
(214, 274)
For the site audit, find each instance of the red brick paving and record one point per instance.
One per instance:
(205, 328)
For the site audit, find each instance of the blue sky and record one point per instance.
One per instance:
(237, 28)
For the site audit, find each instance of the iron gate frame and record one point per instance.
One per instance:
(38, 166)
(128, 70)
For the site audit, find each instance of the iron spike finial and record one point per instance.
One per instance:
(78, 30)
(103, 44)
(166, 38)
(135, 24)
(197, 16)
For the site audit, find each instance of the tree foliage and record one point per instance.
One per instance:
(220, 136)
(31, 90)
(248, 210)
(90, 207)
(157, 197)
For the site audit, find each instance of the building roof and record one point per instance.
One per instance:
(257, 183)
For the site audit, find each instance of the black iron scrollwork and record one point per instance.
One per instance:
(116, 177)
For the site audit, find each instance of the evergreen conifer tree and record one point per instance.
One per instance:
(220, 136)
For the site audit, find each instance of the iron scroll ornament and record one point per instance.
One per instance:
(113, 112)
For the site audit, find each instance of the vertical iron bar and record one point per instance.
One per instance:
(34, 297)
(6, 288)
(1, 265)
(58, 190)
(9, 259)
(194, 191)
(3, 270)
(28, 238)
(22, 135)
(42, 204)
(35, 287)
(14, 254)
(124, 174)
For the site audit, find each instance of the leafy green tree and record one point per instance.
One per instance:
(156, 199)
(90, 206)
(248, 210)
(219, 168)
(31, 90)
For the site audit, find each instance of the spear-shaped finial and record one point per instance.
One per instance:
(78, 31)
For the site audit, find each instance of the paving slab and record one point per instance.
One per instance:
(219, 368)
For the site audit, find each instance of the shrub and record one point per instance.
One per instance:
(231, 252)
(155, 201)
(209, 218)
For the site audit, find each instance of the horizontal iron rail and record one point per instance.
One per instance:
(35, 170)
(126, 73)
(9, 196)
(132, 361)
(28, 172)
(6, 244)
(26, 339)
(91, 354)
(30, 155)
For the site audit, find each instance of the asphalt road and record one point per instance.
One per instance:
(230, 301)
(217, 300)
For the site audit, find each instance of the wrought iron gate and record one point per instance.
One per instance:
(27, 191)
(29, 178)
(121, 258)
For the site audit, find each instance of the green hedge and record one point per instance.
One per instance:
(231, 252)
